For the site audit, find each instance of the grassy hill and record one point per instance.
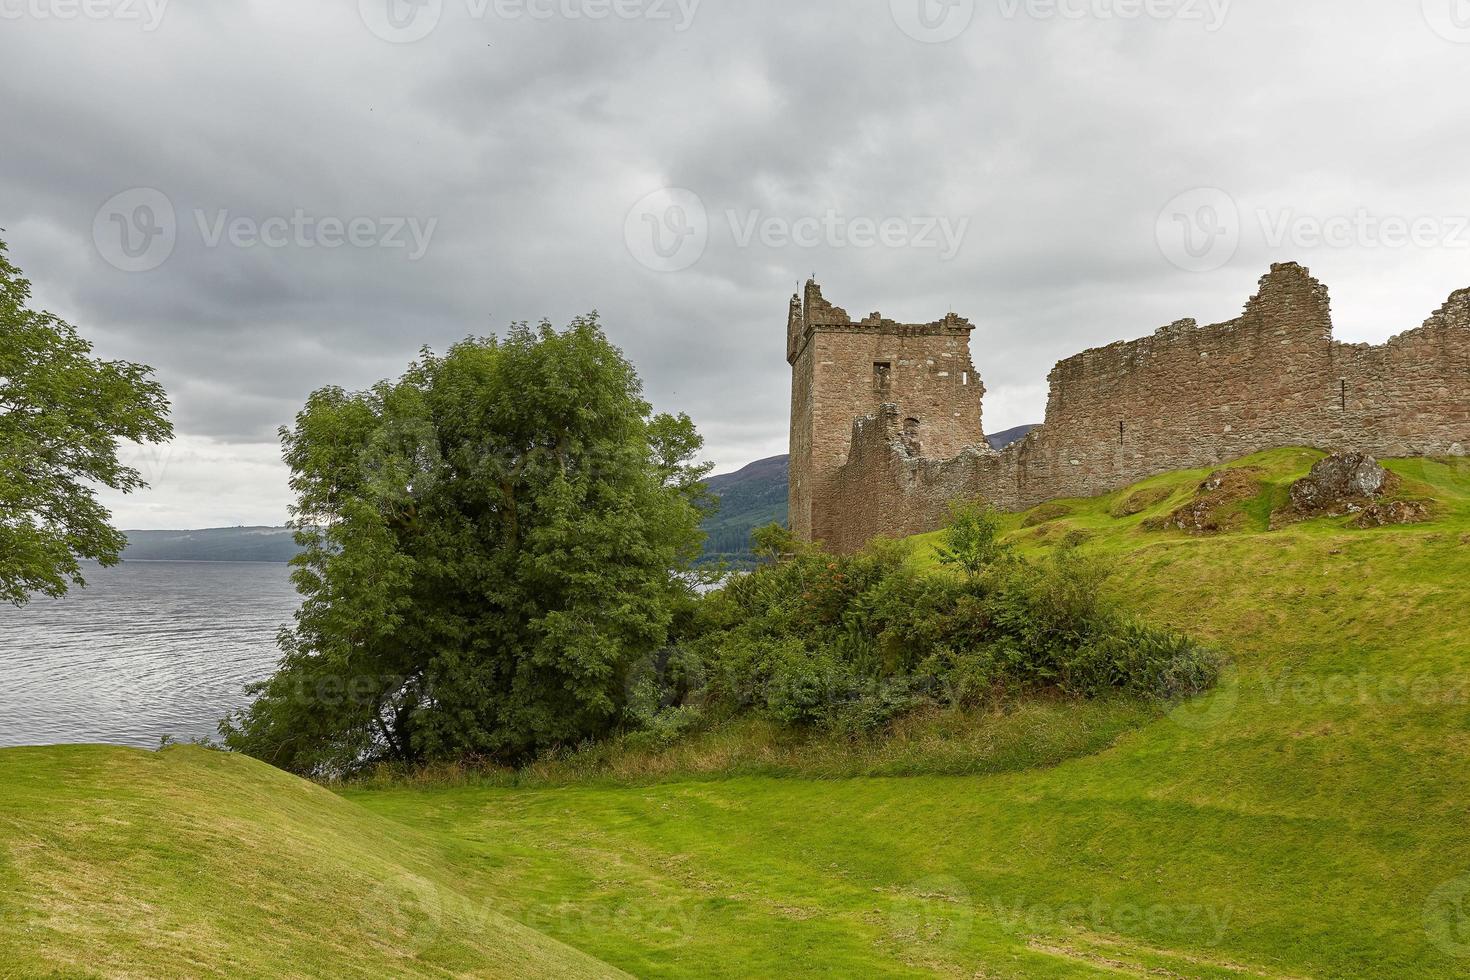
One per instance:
(1306, 819)
(116, 862)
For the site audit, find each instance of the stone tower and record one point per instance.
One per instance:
(843, 370)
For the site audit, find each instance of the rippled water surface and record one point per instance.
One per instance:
(147, 649)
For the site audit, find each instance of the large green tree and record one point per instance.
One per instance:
(64, 415)
(490, 542)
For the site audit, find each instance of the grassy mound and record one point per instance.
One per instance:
(1305, 819)
(116, 862)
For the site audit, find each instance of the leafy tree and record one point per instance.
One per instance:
(63, 416)
(972, 542)
(772, 541)
(490, 543)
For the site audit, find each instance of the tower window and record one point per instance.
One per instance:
(882, 373)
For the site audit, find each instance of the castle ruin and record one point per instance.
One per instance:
(886, 424)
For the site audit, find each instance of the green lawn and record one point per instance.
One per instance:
(186, 863)
(1309, 818)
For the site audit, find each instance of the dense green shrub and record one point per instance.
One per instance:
(848, 643)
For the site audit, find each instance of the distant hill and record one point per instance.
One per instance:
(270, 544)
(749, 498)
(1000, 440)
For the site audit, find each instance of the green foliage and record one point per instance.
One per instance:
(63, 417)
(848, 644)
(772, 541)
(973, 542)
(490, 543)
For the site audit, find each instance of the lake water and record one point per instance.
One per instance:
(147, 649)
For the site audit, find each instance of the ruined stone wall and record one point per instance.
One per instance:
(1185, 397)
(844, 369)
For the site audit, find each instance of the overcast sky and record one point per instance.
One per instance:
(261, 197)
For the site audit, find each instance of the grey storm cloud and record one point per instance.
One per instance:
(308, 151)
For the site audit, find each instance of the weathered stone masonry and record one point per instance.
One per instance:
(883, 451)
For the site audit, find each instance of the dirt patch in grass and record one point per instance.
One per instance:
(1045, 514)
(1140, 501)
(1076, 538)
(1218, 504)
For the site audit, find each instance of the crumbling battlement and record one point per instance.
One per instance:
(844, 370)
(1184, 397)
